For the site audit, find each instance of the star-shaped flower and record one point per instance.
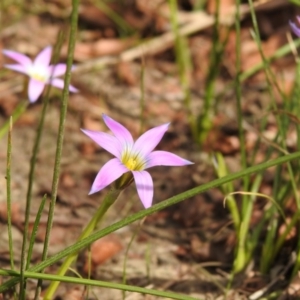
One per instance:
(295, 28)
(39, 71)
(130, 156)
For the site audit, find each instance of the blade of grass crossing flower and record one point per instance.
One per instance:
(34, 230)
(99, 283)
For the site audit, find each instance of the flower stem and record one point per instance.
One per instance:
(15, 116)
(61, 131)
(110, 198)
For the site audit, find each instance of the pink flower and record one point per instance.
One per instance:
(295, 28)
(130, 156)
(39, 71)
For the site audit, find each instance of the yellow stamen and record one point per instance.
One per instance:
(131, 164)
(38, 77)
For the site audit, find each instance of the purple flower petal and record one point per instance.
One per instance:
(106, 141)
(149, 140)
(18, 57)
(120, 132)
(43, 58)
(18, 68)
(59, 83)
(73, 89)
(35, 89)
(57, 70)
(164, 158)
(144, 186)
(294, 28)
(111, 171)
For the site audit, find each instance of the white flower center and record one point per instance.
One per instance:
(39, 74)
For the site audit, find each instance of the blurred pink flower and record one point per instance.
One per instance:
(39, 71)
(295, 28)
(132, 157)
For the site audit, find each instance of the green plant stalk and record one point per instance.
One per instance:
(282, 51)
(253, 240)
(8, 196)
(34, 230)
(297, 111)
(238, 94)
(270, 238)
(157, 207)
(8, 200)
(123, 26)
(204, 120)
(99, 283)
(241, 250)
(15, 116)
(221, 170)
(30, 184)
(110, 198)
(271, 228)
(247, 243)
(61, 129)
(183, 61)
(142, 100)
(62, 119)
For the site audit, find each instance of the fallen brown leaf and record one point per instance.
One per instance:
(101, 251)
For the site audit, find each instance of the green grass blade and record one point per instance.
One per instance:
(34, 231)
(8, 199)
(99, 283)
